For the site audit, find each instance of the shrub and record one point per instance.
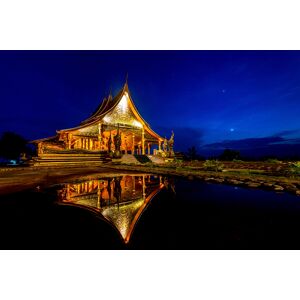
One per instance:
(177, 163)
(238, 160)
(213, 165)
(294, 168)
(273, 161)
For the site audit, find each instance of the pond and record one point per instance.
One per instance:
(145, 211)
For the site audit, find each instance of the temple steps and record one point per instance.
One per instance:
(156, 159)
(60, 160)
(128, 159)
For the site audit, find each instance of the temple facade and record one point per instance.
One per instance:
(116, 127)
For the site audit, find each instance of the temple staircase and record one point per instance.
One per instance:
(71, 159)
(127, 159)
(156, 159)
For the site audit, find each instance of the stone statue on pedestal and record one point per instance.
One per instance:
(117, 142)
(165, 145)
(171, 144)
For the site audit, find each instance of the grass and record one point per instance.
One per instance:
(264, 178)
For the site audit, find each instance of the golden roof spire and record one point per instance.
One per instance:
(126, 82)
(110, 93)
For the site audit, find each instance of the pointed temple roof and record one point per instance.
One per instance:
(108, 105)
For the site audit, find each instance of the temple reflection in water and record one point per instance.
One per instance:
(120, 199)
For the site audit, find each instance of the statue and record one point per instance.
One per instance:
(109, 143)
(171, 144)
(117, 142)
(165, 145)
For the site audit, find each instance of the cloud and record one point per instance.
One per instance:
(245, 143)
(287, 132)
(256, 147)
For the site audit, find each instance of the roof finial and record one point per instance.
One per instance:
(109, 97)
(125, 87)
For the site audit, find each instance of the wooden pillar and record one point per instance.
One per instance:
(69, 140)
(159, 145)
(133, 144)
(149, 149)
(143, 141)
(125, 144)
(40, 149)
(99, 135)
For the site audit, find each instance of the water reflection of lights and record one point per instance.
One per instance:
(120, 200)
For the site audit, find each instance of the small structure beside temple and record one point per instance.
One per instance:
(115, 128)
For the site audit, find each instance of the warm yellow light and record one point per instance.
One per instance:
(137, 124)
(123, 104)
(106, 119)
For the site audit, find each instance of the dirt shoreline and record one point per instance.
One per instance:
(266, 182)
(18, 179)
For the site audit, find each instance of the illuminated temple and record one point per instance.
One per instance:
(115, 128)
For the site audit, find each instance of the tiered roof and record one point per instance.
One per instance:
(108, 105)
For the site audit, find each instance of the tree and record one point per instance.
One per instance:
(12, 145)
(192, 153)
(229, 155)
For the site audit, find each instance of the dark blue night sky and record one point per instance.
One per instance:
(244, 100)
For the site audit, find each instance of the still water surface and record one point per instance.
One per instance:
(143, 211)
